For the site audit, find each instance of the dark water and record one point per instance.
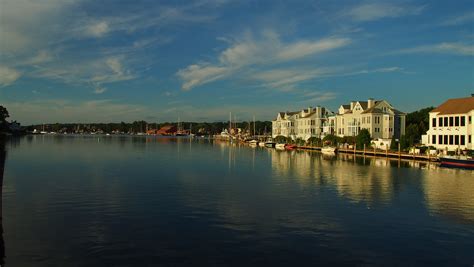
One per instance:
(123, 201)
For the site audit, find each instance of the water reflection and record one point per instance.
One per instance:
(378, 180)
(3, 155)
(128, 201)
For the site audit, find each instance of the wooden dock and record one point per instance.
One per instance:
(377, 153)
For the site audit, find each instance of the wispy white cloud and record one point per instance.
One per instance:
(96, 72)
(442, 48)
(378, 10)
(97, 29)
(8, 75)
(264, 51)
(317, 96)
(459, 20)
(99, 90)
(287, 79)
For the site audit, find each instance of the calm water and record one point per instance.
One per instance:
(124, 201)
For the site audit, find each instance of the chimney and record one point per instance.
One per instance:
(352, 104)
(370, 103)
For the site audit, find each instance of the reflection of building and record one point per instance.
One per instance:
(451, 125)
(450, 193)
(304, 124)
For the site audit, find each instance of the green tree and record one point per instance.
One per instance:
(363, 138)
(3, 118)
(394, 143)
(412, 134)
(331, 139)
(404, 145)
(280, 139)
(314, 141)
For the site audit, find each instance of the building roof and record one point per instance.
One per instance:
(456, 106)
(364, 104)
(346, 106)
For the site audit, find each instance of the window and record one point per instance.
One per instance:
(456, 121)
(433, 139)
(463, 140)
(440, 139)
(469, 119)
(451, 121)
(440, 122)
(446, 121)
(469, 139)
(456, 139)
(463, 121)
(445, 139)
(433, 124)
(451, 139)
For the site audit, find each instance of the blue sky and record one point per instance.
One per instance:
(91, 61)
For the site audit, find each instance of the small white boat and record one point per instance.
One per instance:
(280, 146)
(328, 150)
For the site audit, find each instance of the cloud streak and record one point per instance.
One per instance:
(460, 49)
(248, 52)
(378, 10)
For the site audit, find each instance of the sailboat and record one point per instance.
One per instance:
(180, 131)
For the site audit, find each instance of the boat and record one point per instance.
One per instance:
(328, 150)
(270, 144)
(261, 144)
(280, 146)
(288, 146)
(457, 162)
(253, 143)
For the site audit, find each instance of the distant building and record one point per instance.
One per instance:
(302, 124)
(380, 118)
(451, 125)
(167, 130)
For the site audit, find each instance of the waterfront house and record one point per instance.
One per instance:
(451, 125)
(379, 117)
(302, 124)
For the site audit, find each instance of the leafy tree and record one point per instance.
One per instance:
(299, 142)
(314, 141)
(280, 139)
(404, 145)
(394, 143)
(3, 118)
(331, 139)
(412, 134)
(363, 138)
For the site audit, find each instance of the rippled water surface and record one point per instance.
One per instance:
(146, 201)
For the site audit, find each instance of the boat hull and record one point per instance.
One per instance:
(457, 163)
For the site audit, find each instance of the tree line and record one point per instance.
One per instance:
(204, 128)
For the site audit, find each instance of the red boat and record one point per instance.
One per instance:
(462, 163)
(290, 146)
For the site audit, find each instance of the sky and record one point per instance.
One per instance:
(112, 61)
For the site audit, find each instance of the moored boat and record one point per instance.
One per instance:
(261, 144)
(457, 162)
(328, 150)
(288, 146)
(280, 146)
(270, 144)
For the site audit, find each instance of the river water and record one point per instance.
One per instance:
(147, 201)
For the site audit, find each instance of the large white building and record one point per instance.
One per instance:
(380, 118)
(451, 125)
(302, 124)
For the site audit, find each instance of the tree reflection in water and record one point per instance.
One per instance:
(3, 155)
